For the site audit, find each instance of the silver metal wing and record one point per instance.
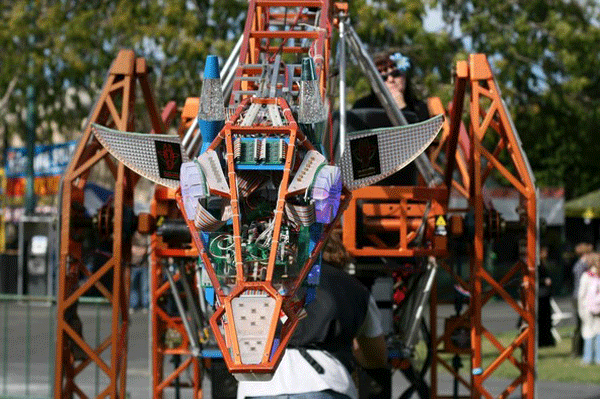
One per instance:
(372, 155)
(157, 157)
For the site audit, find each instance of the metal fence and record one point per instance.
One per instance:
(28, 331)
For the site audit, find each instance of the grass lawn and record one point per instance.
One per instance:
(553, 364)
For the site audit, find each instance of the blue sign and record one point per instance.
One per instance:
(49, 160)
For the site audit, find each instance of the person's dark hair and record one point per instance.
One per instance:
(383, 61)
(334, 252)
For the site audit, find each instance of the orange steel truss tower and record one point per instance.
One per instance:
(491, 146)
(466, 158)
(168, 337)
(114, 107)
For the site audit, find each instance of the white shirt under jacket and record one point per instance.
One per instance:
(295, 375)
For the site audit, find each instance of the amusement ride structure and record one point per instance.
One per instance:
(250, 189)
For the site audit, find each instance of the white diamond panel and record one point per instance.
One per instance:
(252, 317)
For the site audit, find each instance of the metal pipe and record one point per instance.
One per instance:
(192, 139)
(188, 137)
(51, 347)
(411, 337)
(193, 337)
(190, 300)
(5, 367)
(342, 73)
(97, 345)
(201, 299)
(233, 57)
(27, 348)
(385, 97)
(30, 126)
(21, 265)
(229, 68)
(274, 75)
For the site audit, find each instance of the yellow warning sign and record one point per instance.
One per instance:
(440, 226)
(588, 213)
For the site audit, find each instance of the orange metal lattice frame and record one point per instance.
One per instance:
(270, 24)
(397, 210)
(113, 108)
(492, 139)
(164, 206)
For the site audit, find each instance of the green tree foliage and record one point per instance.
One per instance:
(397, 25)
(544, 55)
(64, 48)
(545, 58)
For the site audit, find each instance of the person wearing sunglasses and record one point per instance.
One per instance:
(395, 70)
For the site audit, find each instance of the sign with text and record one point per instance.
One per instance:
(49, 163)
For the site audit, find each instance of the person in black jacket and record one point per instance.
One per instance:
(342, 328)
(396, 70)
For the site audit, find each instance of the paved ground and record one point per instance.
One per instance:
(545, 389)
(34, 364)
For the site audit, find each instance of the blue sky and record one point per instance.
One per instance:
(433, 19)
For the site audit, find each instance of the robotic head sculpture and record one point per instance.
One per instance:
(260, 200)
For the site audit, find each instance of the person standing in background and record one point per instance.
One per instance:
(544, 316)
(582, 250)
(396, 71)
(140, 291)
(588, 298)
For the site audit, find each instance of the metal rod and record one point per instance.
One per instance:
(192, 144)
(411, 337)
(176, 362)
(97, 369)
(188, 140)
(27, 347)
(274, 75)
(5, 370)
(21, 266)
(229, 68)
(201, 299)
(190, 299)
(338, 152)
(51, 317)
(385, 98)
(179, 304)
